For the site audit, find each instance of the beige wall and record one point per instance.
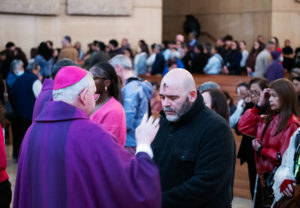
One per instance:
(285, 21)
(243, 19)
(29, 30)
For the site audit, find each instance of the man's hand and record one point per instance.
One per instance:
(146, 131)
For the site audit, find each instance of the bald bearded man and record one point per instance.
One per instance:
(194, 148)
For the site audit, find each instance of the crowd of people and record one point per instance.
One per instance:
(86, 126)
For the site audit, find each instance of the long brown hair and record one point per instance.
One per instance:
(288, 103)
(218, 102)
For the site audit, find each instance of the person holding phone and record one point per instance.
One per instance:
(272, 132)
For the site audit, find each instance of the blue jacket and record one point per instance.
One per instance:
(136, 95)
(213, 65)
(45, 65)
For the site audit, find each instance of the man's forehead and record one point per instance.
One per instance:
(170, 88)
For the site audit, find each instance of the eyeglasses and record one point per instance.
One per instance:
(96, 97)
(254, 93)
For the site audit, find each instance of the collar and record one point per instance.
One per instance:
(60, 111)
(196, 107)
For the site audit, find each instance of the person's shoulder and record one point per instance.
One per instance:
(115, 104)
(113, 108)
(295, 120)
(211, 120)
(87, 126)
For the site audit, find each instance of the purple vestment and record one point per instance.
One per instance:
(44, 96)
(68, 161)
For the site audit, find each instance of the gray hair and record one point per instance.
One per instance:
(32, 66)
(69, 94)
(122, 60)
(15, 65)
(208, 85)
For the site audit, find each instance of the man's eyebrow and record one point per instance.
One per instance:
(168, 95)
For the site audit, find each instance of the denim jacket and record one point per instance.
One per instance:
(136, 95)
(213, 65)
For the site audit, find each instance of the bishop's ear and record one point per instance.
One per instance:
(83, 96)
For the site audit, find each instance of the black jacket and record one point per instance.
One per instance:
(196, 159)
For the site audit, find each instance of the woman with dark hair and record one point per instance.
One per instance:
(250, 63)
(44, 59)
(140, 59)
(108, 111)
(19, 54)
(216, 100)
(230, 103)
(272, 132)
(232, 66)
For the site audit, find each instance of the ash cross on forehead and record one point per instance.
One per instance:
(165, 86)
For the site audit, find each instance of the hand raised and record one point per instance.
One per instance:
(264, 97)
(147, 130)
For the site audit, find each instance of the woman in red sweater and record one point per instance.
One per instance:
(5, 186)
(272, 132)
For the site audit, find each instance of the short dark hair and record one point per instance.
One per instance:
(33, 52)
(262, 82)
(68, 38)
(9, 44)
(101, 45)
(60, 64)
(228, 37)
(243, 84)
(171, 62)
(114, 42)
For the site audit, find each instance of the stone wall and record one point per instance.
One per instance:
(29, 30)
(103, 7)
(30, 7)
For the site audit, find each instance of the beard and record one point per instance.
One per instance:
(186, 106)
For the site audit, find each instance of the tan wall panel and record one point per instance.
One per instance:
(215, 6)
(285, 25)
(28, 31)
(286, 5)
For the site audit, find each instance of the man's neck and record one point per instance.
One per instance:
(126, 75)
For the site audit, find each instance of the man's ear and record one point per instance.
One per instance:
(83, 96)
(193, 95)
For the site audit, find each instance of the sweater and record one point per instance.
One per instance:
(3, 162)
(112, 118)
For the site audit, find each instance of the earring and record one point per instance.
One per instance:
(105, 88)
